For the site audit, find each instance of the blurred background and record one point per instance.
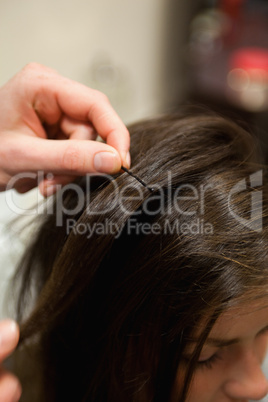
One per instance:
(133, 51)
(148, 56)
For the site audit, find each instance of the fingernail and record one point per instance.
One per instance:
(8, 333)
(127, 160)
(106, 162)
(51, 189)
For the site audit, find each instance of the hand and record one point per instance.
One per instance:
(40, 112)
(10, 389)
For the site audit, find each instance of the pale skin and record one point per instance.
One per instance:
(229, 367)
(50, 124)
(41, 111)
(10, 388)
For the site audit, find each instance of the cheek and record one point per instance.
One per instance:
(205, 385)
(261, 347)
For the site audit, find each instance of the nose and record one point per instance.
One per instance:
(248, 381)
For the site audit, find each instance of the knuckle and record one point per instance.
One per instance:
(101, 96)
(72, 159)
(32, 67)
(37, 70)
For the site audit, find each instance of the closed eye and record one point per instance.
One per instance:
(208, 363)
(263, 331)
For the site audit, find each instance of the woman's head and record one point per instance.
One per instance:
(141, 274)
(229, 365)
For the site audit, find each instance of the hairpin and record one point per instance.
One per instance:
(137, 178)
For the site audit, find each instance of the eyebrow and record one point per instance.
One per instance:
(217, 342)
(220, 343)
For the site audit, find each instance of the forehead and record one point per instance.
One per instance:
(243, 319)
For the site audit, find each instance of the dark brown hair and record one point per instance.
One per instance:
(114, 312)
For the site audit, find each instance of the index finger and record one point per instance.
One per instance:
(82, 103)
(79, 101)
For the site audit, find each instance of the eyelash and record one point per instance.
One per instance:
(216, 357)
(264, 331)
(209, 362)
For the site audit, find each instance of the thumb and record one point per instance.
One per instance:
(64, 157)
